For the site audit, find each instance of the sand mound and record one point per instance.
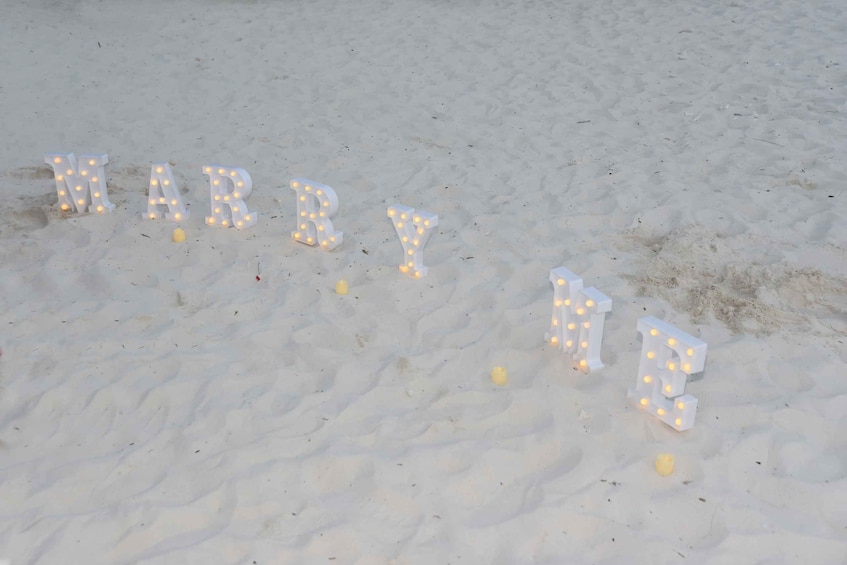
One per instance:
(701, 272)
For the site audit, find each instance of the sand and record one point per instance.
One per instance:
(160, 405)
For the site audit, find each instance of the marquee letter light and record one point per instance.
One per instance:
(579, 315)
(81, 187)
(413, 228)
(316, 204)
(230, 186)
(164, 192)
(668, 356)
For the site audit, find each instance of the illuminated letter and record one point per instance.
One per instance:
(228, 208)
(83, 187)
(164, 192)
(316, 204)
(578, 318)
(668, 355)
(413, 229)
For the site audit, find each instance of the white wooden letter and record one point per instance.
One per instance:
(81, 187)
(668, 356)
(229, 187)
(413, 228)
(163, 192)
(579, 315)
(316, 204)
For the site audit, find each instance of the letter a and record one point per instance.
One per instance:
(164, 192)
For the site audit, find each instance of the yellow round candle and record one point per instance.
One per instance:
(499, 376)
(664, 464)
(341, 287)
(179, 235)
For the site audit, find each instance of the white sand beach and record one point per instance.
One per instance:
(160, 405)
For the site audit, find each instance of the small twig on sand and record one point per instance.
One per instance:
(766, 141)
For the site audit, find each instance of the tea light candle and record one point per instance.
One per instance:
(341, 287)
(664, 464)
(499, 376)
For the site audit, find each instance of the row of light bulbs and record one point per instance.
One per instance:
(317, 204)
(668, 354)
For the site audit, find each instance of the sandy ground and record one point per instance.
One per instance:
(160, 405)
